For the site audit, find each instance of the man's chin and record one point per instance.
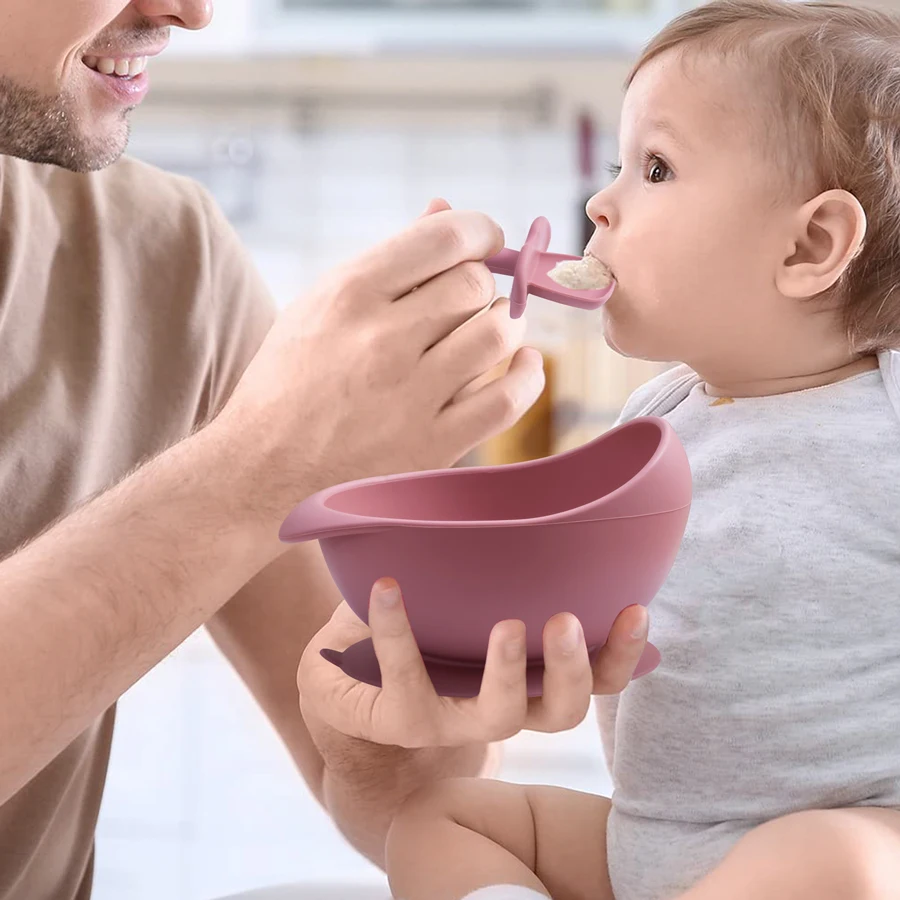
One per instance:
(96, 151)
(59, 131)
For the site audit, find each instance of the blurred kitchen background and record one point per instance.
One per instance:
(322, 126)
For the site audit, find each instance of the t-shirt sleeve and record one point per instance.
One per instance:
(242, 308)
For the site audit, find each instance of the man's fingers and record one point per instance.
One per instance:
(617, 659)
(343, 629)
(436, 204)
(568, 679)
(431, 245)
(399, 658)
(481, 344)
(447, 302)
(323, 687)
(497, 406)
(502, 702)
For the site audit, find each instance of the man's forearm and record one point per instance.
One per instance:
(364, 784)
(92, 604)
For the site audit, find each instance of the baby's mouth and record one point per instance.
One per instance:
(606, 265)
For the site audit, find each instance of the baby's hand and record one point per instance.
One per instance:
(407, 712)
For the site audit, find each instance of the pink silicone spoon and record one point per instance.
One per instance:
(529, 268)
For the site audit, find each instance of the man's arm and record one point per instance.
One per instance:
(96, 601)
(263, 632)
(364, 784)
(92, 604)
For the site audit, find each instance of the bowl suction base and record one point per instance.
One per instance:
(452, 679)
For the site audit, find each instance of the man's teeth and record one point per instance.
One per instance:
(124, 68)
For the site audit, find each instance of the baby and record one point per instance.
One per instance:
(753, 229)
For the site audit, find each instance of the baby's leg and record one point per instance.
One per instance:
(462, 834)
(833, 854)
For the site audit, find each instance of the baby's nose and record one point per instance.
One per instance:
(598, 210)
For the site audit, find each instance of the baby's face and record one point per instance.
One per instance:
(694, 224)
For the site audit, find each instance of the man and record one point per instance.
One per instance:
(158, 421)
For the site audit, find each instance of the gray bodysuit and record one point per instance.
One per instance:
(779, 628)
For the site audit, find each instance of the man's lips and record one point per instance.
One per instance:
(126, 53)
(121, 63)
(105, 60)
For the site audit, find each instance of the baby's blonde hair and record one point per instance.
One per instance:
(835, 73)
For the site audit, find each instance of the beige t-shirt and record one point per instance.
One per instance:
(128, 311)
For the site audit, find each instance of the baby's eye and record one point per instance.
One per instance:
(657, 171)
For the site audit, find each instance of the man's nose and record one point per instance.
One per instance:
(192, 14)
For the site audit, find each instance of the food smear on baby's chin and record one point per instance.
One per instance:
(586, 274)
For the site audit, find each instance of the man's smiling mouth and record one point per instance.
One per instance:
(120, 68)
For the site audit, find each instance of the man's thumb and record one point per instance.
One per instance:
(437, 204)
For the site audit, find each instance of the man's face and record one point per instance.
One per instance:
(72, 70)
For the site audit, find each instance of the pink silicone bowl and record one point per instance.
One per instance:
(589, 531)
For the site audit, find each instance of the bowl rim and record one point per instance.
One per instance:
(342, 522)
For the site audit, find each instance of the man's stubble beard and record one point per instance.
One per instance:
(44, 129)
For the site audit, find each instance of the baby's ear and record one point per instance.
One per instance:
(828, 233)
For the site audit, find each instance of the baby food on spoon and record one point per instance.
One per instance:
(586, 274)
